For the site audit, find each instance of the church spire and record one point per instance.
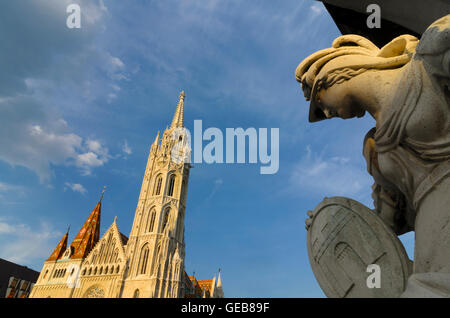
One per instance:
(103, 192)
(60, 248)
(89, 233)
(219, 280)
(156, 142)
(219, 289)
(178, 120)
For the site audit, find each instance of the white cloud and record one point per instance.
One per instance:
(22, 244)
(5, 187)
(93, 145)
(111, 97)
(9, 193)
(96, 147)
(331, 176)
(116, 69)
(87, 161)
(93, 11)
(317, 9)
(6, 228)
(75, 187)
(37, 88)
(217, 184)
(45, 148)
(38, 148)
(126, 148)
(117, 63)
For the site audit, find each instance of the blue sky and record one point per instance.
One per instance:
(79, 109)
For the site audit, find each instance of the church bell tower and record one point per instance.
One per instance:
(156, 248)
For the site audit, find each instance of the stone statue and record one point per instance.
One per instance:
(404, 86)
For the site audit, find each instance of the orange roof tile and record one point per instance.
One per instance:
(88, 235)
(60, 248)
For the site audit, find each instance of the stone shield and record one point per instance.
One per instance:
(344, 238)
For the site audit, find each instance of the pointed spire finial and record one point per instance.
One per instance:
(115, 219)
(178, 120)
(68, 229)
(156, 139)
(103, 192)
(219, 280)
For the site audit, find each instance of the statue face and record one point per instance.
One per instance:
(334, 98)
(325, 75)
(336, 101)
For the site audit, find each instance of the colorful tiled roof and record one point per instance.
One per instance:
(60, 248)
(197, 287)
(206, 286)
(88, 235)
(205, 282)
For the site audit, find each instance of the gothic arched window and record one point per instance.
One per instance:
(151, 220)
(144, 260)
(171, 185)
(157, 187)
(165, 219)
(136, 293)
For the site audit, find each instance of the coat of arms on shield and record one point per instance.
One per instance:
(344, 238)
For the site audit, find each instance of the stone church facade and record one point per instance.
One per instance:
(150, 262)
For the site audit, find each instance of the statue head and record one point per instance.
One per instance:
(434, 51)
(350, 55)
